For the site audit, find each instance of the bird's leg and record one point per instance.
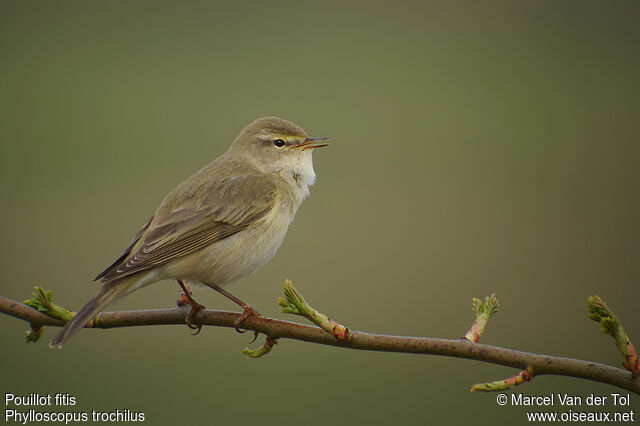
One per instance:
(249, 311)
(186, 298)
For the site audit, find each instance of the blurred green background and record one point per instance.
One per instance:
(478, 147)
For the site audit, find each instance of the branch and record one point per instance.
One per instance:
(276, 329)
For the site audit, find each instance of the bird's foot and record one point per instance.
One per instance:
(186, 299)
(197, 327)
(249, 311)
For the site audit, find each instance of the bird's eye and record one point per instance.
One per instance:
(279, 143)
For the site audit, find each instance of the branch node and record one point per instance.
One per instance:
(483, 311)
(294, 303)
(42, 301)
(265, 349)
(95, 322)
(35, 333)
(500, 385)
(609, 324)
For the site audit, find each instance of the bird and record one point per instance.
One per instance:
(222, 223)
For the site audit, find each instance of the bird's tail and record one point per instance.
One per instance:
(108, 293)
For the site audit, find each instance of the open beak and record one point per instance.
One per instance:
(310, 143)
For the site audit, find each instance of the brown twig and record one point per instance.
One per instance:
(278, 329)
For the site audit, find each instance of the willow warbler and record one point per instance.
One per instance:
(221, 224)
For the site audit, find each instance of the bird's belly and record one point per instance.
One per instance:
(232, 258)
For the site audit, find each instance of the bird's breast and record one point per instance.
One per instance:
(238, 255)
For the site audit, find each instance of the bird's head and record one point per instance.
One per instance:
(278, 146)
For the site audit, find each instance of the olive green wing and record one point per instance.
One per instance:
(228, 207)
(127, 251)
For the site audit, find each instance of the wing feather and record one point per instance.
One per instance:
(228, 207)
(126, 253)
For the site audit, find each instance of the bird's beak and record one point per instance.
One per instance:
(310, 143)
